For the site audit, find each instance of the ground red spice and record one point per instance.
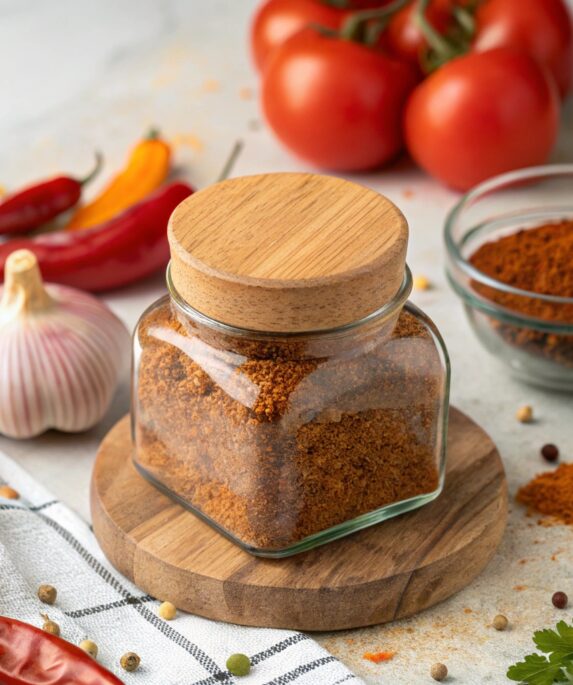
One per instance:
(539, 260)
(379, 657)
(273, 441)
(551, 493)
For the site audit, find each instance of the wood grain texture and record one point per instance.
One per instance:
(287, 252)
(383, 573)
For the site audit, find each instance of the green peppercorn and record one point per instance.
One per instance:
(238, 664)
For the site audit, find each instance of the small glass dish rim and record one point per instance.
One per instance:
(453, 249)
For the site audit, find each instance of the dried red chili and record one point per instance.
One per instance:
(29, 656)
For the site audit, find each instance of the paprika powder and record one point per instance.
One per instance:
(538, 261)
(551, 493)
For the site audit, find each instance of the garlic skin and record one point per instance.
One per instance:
(62, 353)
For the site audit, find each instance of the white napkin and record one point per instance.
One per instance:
(42, 541)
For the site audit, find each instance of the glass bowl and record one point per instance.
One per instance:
(537, 350)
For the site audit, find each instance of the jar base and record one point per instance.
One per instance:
(380, 574)
(311, 541)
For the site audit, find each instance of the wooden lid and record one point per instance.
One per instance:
(287, 252)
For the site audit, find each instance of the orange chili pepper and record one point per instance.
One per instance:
(146, 170)
(378, 657)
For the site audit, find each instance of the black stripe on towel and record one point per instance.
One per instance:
(79, 613)
(301, 670)
(279, 647)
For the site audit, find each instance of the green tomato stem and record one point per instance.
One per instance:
(354, 28)
(338, 4)
(442, 47)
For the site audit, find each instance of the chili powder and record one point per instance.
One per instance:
(537, 260)
(276, 440)
(551, 493)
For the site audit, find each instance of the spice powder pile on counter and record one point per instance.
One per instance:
(322, 397)
(538, 260)
(551, 494)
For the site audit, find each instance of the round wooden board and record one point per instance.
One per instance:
(389, 571)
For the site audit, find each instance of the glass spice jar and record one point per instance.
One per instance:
(285, 390)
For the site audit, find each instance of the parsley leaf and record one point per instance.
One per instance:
(558, 642)
(537, 669)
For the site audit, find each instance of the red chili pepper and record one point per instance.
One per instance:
(123, 250)
(34, 206)
(29, 656)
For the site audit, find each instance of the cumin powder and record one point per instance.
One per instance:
(274, 440)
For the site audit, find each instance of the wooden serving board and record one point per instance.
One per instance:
(389, 571)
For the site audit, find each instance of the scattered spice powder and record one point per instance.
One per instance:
(187, 140)
(551, 493)
(520, 588)
(211, 86)
(379, 657)
(538, 260)
(246, 93)
(9, 493)
(274, 440)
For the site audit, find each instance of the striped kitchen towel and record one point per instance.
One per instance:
(42, 541)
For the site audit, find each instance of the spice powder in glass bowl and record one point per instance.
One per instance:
(537, 260)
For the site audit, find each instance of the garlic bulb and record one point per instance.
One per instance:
(61, 353)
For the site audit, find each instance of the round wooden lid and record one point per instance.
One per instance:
(287, 252)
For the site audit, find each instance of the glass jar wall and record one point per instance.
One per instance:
(285, 441)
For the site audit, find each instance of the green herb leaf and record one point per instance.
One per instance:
(558, 642)
(536, 670)
(568, 673)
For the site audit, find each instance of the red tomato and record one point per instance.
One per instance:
(404, 38)
(336, 103)
(480, 115)
(541, 28)
(277, 20)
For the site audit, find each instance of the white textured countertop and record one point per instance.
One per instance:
(79, 76)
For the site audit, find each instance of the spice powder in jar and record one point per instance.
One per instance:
(284, 390)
